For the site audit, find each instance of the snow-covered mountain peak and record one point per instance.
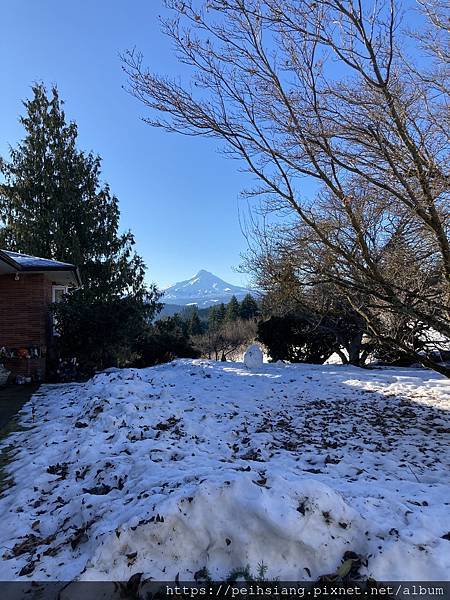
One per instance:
(204, 289)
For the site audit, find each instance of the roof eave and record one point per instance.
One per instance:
(40, 269)
(74, 270)
(10, 261)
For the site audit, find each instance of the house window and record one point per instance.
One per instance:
(58, 292)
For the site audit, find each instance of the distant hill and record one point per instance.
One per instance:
(169, 310)
(204, 289)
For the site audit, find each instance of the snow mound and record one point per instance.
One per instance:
(196, 464)
(253, 357)
(291, 526)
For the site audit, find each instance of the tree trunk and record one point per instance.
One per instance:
(354, 349)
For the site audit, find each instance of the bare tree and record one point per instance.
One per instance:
(227, 340)
(329, 90)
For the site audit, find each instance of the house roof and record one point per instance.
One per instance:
(17, 262)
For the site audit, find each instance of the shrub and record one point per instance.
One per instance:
(222, 341)
(165, 340)
(99, 334)
(296, 339)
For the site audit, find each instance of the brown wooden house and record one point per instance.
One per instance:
(28, 286)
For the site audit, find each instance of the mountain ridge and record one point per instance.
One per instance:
(203, 289)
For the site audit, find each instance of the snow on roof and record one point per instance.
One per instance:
(35, 262)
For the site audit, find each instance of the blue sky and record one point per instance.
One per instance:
(177, 194)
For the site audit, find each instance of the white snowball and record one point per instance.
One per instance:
(253, 357)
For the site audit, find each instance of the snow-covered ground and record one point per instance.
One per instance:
(199, 464)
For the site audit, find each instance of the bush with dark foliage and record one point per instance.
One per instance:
(100, 334)
(296, 339)
(165, 340)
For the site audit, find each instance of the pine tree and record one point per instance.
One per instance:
(221, 313)
(53, 204)
(216, 316)
(232, 310)
(195, 325)
(248, 308)
(212, 318)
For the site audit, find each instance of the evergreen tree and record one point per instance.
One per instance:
(53, 204)
(188, 311)
(175, 325)
(232, 310)
(248, 308)
(165, 340)
(216, 316)
(195, 325)
(212, 318)
(221, 313)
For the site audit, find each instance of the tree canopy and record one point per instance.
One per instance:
(336, 93)
(53, 203)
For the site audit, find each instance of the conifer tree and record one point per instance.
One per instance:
(195, 325)
(212, 318)
(232, 310)
(248, 308)
(216, 316)
(53, 204)
(221, 313)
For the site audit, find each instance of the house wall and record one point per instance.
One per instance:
(25, 320)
